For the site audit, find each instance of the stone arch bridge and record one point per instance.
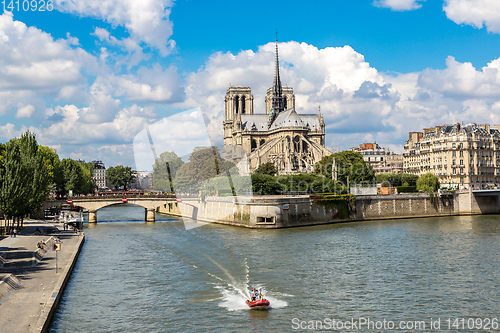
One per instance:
(150, 204)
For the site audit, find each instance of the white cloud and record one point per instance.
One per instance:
(355, 98)
(338, 79)
(463, 81)
(149, 85)
(398, 5)
(147, 21)
(33, 65)
(25, 111)
(475, 13)
(8, 132)
(71, 129)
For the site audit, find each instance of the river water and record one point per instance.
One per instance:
(134, 276)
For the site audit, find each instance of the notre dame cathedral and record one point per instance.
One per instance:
(292, 142)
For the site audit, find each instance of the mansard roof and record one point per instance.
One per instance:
(461, 129)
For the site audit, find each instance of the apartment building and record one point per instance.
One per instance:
(462, 156)
(99, 174)
(380, 159)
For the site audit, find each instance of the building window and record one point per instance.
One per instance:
(453, 154)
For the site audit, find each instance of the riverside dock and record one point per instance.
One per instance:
(30, 286)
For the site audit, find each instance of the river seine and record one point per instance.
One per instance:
(429, 274)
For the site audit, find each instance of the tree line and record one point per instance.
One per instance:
(29, 172)
(206, 172)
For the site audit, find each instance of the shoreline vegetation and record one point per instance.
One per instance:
(31, 173)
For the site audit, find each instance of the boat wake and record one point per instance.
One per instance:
(229, 272)
(234, 293)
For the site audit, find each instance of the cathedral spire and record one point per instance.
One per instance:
(277, 96)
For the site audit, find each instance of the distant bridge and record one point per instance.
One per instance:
(150, 204)
(486, 193)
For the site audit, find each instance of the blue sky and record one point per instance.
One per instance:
(88, 76)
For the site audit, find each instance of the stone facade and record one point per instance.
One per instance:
(380, 159)
(292, 142)
(462, 156)
(99, 174)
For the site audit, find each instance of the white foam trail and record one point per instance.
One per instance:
(232, 301)
(235, 293)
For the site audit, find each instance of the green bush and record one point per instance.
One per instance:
(407, 189)
(428, 183)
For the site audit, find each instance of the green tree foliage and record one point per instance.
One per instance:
(265, 184)
(428, 182)
(77, 177)
(24, 177)
(3, 153)
(161, 178)
(267, 169)
(397, 179)
(89, 184)
(120, 176)
(204, 163)
(53, 164)
(309, 183)
(72, 176)
(224, 185)
(13, 181)
(37, 172)
(350, 166)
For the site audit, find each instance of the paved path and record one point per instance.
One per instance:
(29, 307)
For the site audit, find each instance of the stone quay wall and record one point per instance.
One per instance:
(295, 211)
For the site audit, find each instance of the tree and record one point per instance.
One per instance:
(267, 169)
(88, 182)
(397, 179)
(3, 153)
(120, 176)
(265, 184)
(72, 176)
(24, 177)
(161, 176)
(37, 173)
(204, 163)
(428, 182)
(351, 168)
(13, 182)
(53, 164)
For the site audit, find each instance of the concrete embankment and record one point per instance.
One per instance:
(295, 211)
(33, 287)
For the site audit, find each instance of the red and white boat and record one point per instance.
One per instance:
(258, 304)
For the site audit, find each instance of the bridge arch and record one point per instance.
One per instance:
(150, 204)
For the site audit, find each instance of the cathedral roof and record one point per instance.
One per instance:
(254, 122)
(288, 118)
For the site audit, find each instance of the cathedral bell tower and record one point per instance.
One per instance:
(238, 102)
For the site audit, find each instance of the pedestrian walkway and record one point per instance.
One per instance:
(27, 308)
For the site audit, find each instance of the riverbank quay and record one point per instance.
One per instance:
(34, 286)
(277, 211)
